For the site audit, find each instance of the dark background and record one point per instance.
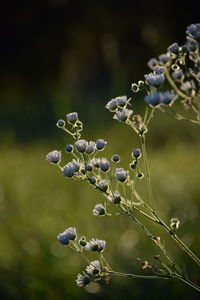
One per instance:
(59, 56)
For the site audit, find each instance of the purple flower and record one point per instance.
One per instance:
(100, 144)
(68, 235)
(99, 210)
(81, 145)
(95, 245)
(193, 30)
(72, 117)
(94, 268)
(54, 157)
(121, 174)
(154, 79)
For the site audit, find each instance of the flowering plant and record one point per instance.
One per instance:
(174, 81)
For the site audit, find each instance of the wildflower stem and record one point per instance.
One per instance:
(142, 138)
(173, 85)
(165, 253)
(140, 276)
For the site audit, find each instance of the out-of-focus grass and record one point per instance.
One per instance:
(37, 202)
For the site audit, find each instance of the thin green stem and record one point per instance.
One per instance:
(173, 85)
(165, 253)
(139, 276)
(142, 138)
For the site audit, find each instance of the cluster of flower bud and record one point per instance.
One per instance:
(119, 105)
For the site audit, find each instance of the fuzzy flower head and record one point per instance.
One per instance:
(116, 103)
(155, 79)
(82, 280)
(100, 144)
(99, 210)
(103, 185)
(72, 118)
(115, 198)
(121, 174)
(104, 165)
(136, 153)
(54, 157)
(81, 145)
(95, 245)
(193, 31)
(90, 147)
(71, 168)
(164, 58)
(68, 235)
(173, 48)
(152, 63)
(122, 115)
(94, 268)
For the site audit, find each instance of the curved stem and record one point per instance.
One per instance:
(142, 138)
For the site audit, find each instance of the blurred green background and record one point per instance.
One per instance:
(59, 56)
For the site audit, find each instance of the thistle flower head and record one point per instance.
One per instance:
(103, 185)
(193, 31)
(178, 74)
(121, 174)
(153, 99)
(104, 164)
(94, 267)
(100, 144)
(152, 63)
(164, 58)
(82, 280)
(71, 168)
(116, 103)
(72, 118)
(95, 245)
(90, 147)
(159, 69)
(68, 235)
(115, 198)
(154, 79)
(99, 210)
(81, 145)
(173, 48)
(123, 114)
(54, 157)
